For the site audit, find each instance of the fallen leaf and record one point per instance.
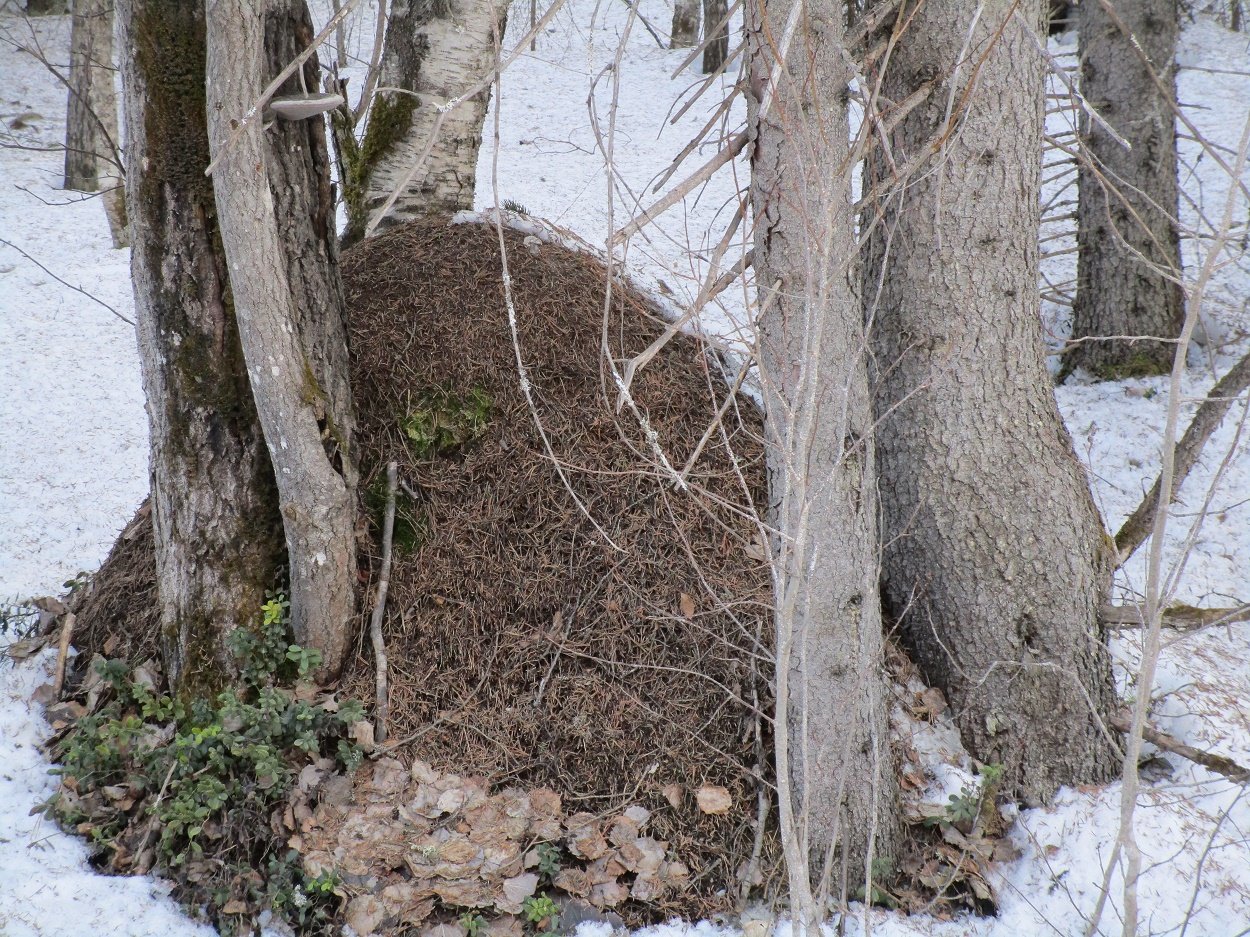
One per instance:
(687, 606)
(713, 799)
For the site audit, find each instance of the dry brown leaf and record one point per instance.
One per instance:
(713, 799)
(515, 891)
(687, 606)
(608, 895)
(574, 881)
(365, 913)
(673, 794)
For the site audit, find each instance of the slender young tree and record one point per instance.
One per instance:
(995, 557)
(1128, 246)
(219, 533)
(433, 52)
(276, 218)
(835, 774)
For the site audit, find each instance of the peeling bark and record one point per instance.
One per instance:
(435, 50)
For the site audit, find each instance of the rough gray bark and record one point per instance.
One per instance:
(1128, 247)
(717, 46)
(822, 498)
(214, 506)
(435, 50)
(92, 157)
(994, 556)
(685, 31)
(280, 253)
(46, 7)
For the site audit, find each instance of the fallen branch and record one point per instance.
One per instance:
(1178, 617)
(1217, 763)
(1208, 418)
(62, 654)
(382, 710)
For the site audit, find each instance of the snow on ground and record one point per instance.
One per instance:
(73, 464)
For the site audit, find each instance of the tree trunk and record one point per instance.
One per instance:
(1128, 248)
(994, 555)
(685, 31)
(281, 255)
(214, 506)
(46, 7)
(434, 52)
(92, 156)
(717, 47)
(836, 786)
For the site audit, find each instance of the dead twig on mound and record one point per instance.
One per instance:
(1168, 743)
(62, 653)
(382, 709)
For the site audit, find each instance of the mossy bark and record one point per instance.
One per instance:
(435, 51)
(218, 532)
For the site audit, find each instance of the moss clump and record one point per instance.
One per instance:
(1139, 364)
(389, 121)
(410, 527)
(443, 422)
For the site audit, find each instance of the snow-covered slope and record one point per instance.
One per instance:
(73, 461)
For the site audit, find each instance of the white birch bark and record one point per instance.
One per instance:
(435, 50)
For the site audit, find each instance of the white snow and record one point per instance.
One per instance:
(73, 459)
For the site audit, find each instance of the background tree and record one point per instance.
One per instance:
(215, 504)
(835, 775)
(92, 154)
(1128, 256)
(685, 30)
(715, 40)
(994, 557)
(433, 53)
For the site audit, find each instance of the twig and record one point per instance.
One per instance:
(1208, 418)
(1177, 617)
(382, 710)
(147, 834)
(1168, 743)
(76, 289)
(62, 653)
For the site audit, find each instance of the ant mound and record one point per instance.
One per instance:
(578, 626)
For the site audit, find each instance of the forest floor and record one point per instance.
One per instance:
(73, 460)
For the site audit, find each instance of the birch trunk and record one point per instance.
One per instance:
(281, 258)
(835, 786)
(92, 153)
(434, 52)
(214, 506)
(685, 31)
(1128, 246)
(994, 552)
